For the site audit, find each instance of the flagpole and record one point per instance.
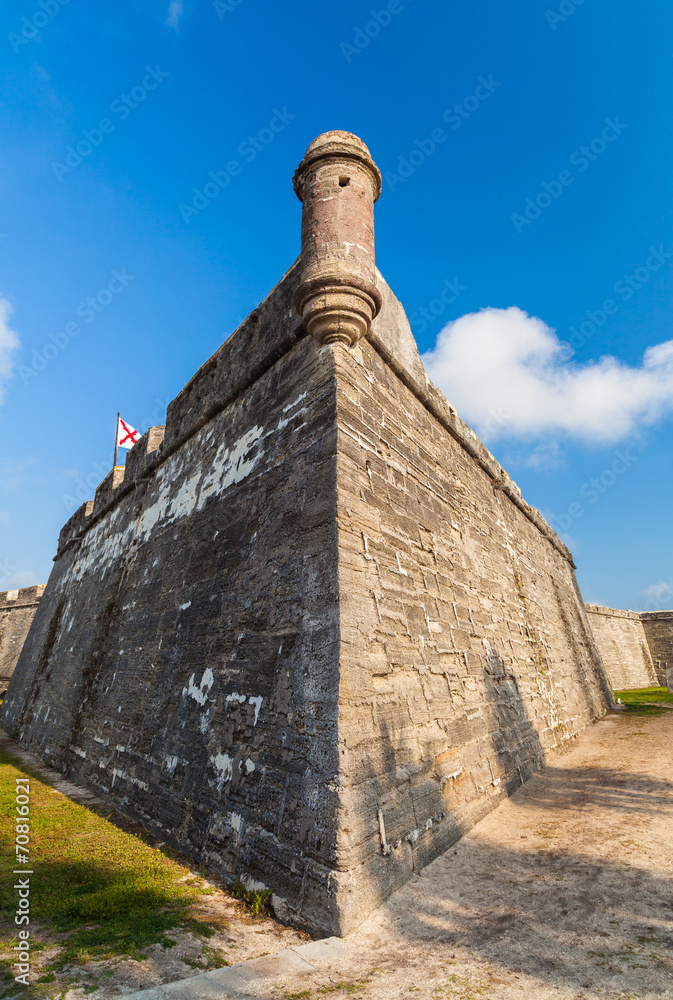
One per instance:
(114, 462)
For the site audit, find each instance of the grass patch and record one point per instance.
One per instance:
(257, 901)
(106, 890)
(642, 701)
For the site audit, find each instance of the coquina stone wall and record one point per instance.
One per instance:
(658, 628)
(17, 610)
(635, 648)
(184, 661)
(466, 655)
(312, 632)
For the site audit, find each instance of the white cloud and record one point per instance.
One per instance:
(508, 374)
(9, 342)
(13, 472)
(658, 591)
(547, 455)
(175, 9)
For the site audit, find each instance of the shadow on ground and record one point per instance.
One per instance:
(560, 884)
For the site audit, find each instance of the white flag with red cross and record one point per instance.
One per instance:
(126, 435)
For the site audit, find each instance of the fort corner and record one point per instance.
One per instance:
(314, 632)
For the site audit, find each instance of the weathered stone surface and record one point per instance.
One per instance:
(635, 648)
(658, 628)
(185, 662)
(17, 610)
(338, 183)
(465, 653)
(314, 633)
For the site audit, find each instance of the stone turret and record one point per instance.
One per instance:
(338, 183)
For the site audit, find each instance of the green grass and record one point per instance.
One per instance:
(256, 901)
(107, 891)
(642, 701)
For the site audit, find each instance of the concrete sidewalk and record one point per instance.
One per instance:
(239, 980)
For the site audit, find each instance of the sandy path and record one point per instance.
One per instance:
(564, 891)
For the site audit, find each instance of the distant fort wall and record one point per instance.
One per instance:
(17, 610)
(658, 627)
(635, 648)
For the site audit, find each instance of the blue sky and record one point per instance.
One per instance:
(160, 94)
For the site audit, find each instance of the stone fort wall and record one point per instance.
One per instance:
(183, 662)
(635, 648)
(311, 632)
(658, 628)
(17, 610)
(466, 655)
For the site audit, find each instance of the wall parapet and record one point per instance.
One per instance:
(598, 609)
(240, 362)
(23, 597)
(437, 404)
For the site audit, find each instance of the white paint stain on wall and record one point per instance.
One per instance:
(200, 693)
(240, 699)
(236, 821)
(293, 416)
(176, 495)
(224, 765)
(257, 702)
(231, 465)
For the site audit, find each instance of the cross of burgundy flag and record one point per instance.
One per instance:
(126, 435)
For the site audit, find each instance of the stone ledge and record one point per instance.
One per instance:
(391, 337)
(22, 597)
(268, 333)
(235, 980)
(597, 609)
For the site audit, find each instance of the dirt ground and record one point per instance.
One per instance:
(564, 891)
(237, 937)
